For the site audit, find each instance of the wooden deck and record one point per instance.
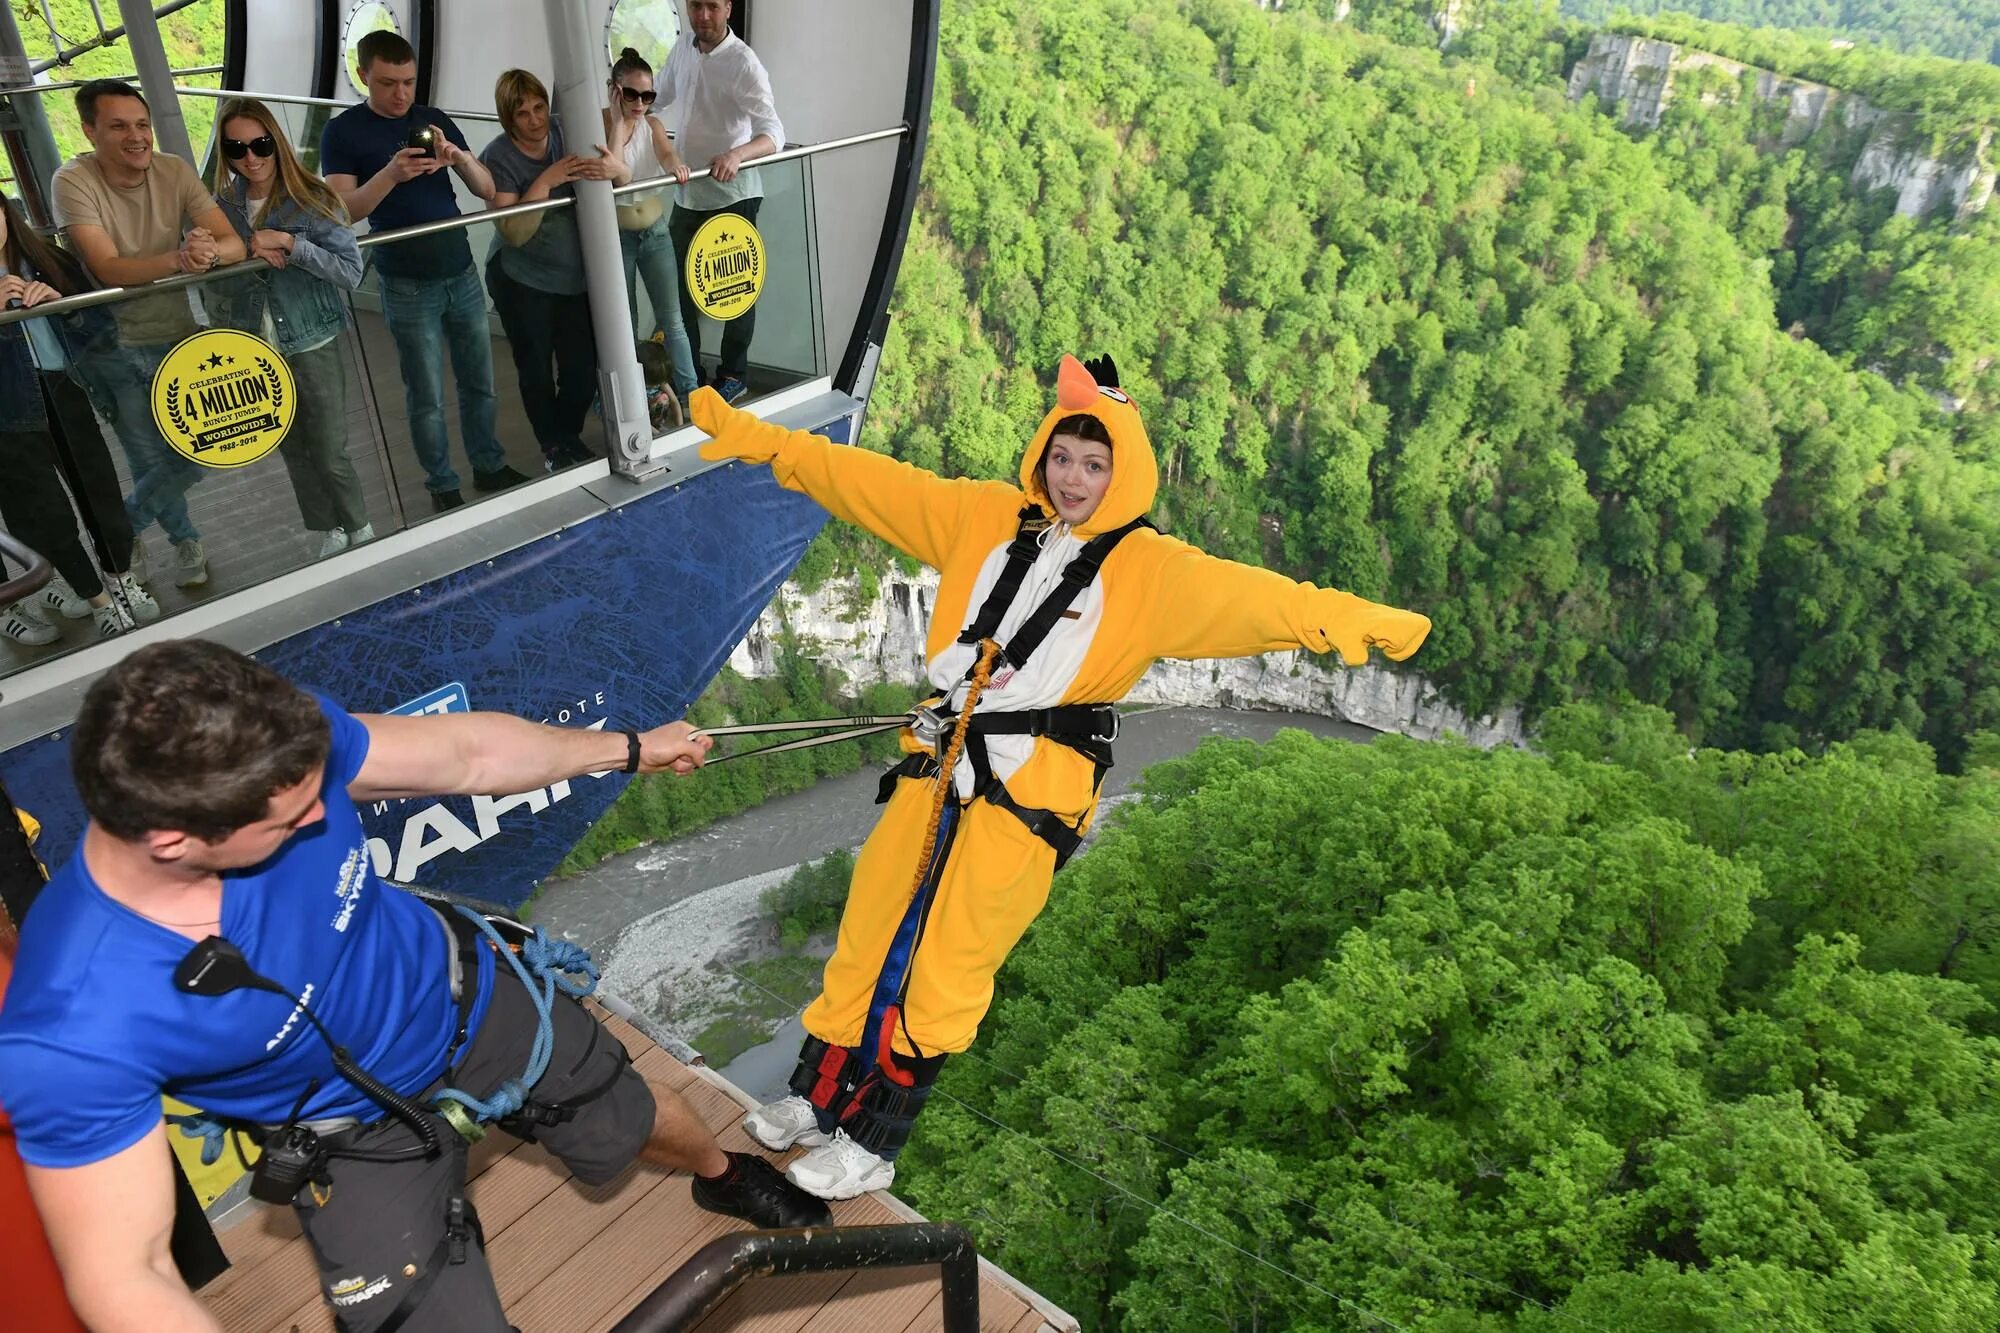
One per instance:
(569, 1259)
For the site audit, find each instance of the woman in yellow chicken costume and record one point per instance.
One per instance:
(1054, 598)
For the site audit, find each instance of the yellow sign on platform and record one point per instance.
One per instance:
(725, 266)
(223, 398)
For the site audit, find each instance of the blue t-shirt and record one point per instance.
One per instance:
(359, 143)
(94, 1031)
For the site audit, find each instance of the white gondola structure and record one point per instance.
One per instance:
(608, 593)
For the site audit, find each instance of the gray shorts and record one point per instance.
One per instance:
(380, 1232)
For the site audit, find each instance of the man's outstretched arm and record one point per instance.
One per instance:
(497, 754)
(110, 1224)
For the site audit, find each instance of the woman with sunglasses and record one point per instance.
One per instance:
(535, 269)
(50, 441)
(642, 143)
(295, 223)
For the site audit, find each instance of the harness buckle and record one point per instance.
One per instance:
(1116, 723)
(928, 726)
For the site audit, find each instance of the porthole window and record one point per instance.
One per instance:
(364, 17)
(647, 26)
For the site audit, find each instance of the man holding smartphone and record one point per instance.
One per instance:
(386, 159)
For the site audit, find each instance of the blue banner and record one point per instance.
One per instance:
(619, 622)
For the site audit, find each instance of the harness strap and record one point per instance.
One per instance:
(1021, 554)
(1077, 575)
(461, 1229)
(1047, 825)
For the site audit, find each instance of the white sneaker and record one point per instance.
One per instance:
(61, 598)
(137, 600)
(109, 620)
(364, 533)
(841, 1169)
(190, 564)
(24, 624)
(335, 543)
(784, 1123)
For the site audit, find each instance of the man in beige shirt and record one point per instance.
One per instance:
(122, 207)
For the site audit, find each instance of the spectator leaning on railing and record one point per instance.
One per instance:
(122, 206)
(535, 271)
(292, 220)
(726, 118)
(640, 140)
(385, 159)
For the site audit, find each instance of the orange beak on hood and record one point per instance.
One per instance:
(1135, 476)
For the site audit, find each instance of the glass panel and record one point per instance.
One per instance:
(783, 345)
(203, 528)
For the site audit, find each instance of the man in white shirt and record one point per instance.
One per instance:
(725, 118)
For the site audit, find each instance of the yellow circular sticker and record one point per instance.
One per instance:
(725, 266)
(223, 398)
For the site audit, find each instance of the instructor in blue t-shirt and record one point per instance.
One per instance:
(223, 802)
(431, 297)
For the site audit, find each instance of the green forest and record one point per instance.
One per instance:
(1408, 1035)
(1404, 324)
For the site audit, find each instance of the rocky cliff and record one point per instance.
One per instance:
(1639, 73)
(884, 640)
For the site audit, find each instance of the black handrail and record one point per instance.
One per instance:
(719, 1267)
(33, 578)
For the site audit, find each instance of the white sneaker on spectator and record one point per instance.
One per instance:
(190, 564)
(364, 533)
(110, 620)
(24, 624)
(335, 543)
(137, 600)
(60, 598)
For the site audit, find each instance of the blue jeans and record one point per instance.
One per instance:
(651, 252)
(160, 477)
(425, 316)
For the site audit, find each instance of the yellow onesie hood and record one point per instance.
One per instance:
(1135, 477)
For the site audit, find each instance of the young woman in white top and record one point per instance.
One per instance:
(642, 141)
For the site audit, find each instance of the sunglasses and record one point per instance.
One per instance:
(634, 95)
(263, 146)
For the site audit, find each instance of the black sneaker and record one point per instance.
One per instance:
(499, 479)
(756, 1192)
(443, 500)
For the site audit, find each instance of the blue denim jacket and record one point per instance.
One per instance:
(305, 296)
(83, 334)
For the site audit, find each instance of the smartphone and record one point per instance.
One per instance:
(424, 137)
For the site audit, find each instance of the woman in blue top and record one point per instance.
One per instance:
(293, 221)
(50, 440)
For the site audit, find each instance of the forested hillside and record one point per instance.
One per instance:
(1956, 29)
(1324, 1036)
(1402, 325)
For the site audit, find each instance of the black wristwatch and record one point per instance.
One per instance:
(631, 752)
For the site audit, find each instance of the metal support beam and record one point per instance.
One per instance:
(579, 96)
(156, 79)
(31, 148)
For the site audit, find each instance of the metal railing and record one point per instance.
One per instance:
(106, 295)
(191, 71)
(698, 1286)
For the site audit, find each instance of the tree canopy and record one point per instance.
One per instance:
(1616, 1036)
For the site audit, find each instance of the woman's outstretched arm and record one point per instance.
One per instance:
(1203, 606)
(918, 512)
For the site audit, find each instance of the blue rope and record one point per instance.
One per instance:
(206, 1128)
(549, 961)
